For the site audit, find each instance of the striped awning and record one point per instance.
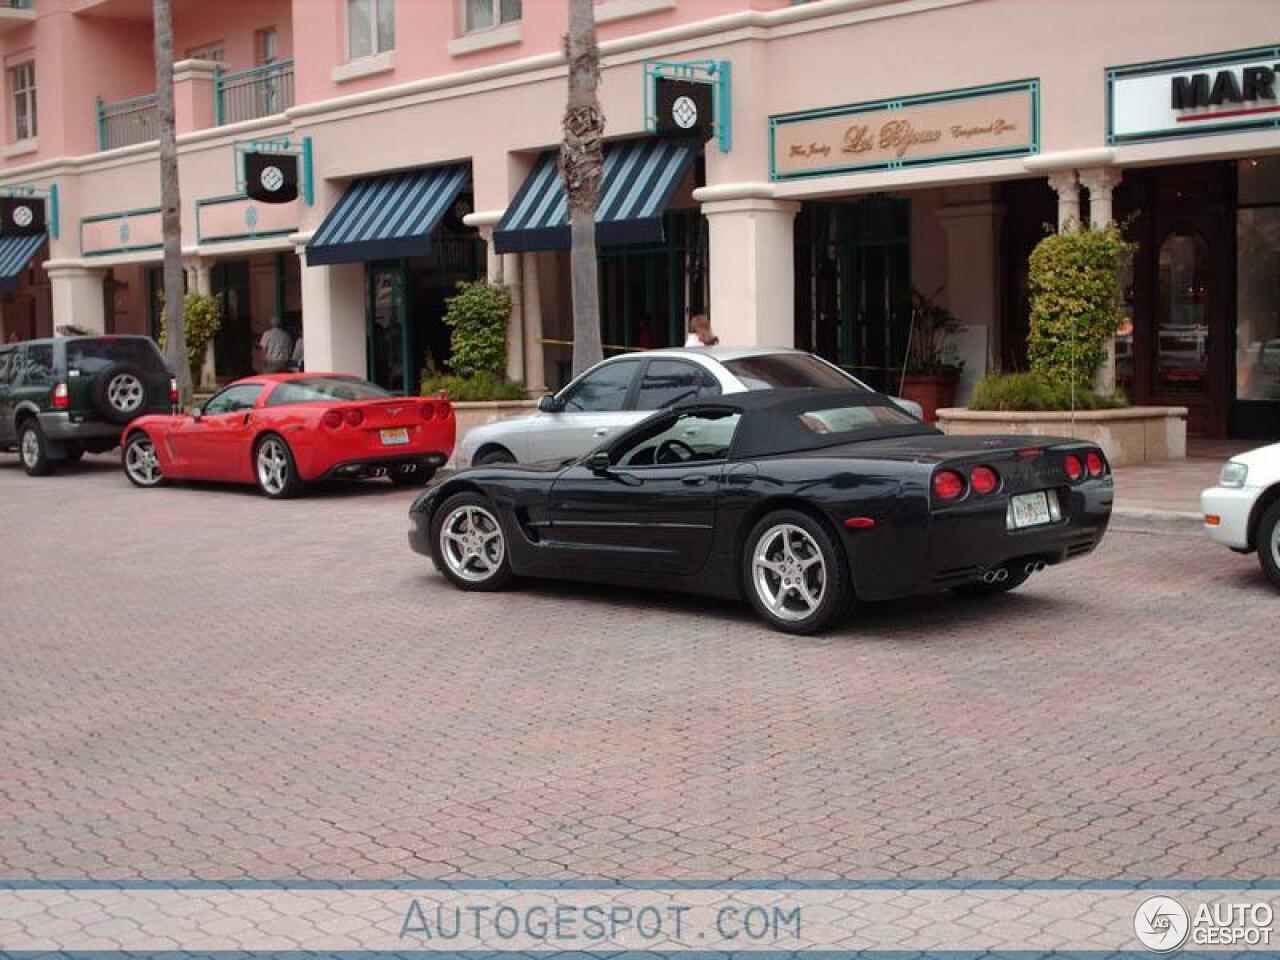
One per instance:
(388, 216)
(640, 177)
(15, 253)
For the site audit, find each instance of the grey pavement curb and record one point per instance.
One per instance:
(1172, 522)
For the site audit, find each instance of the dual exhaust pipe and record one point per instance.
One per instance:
(1000, 574)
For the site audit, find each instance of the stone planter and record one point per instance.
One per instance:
(476, 413)
(1128, 436)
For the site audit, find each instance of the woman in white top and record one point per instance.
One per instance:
(700, 334)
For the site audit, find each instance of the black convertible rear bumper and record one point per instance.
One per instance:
(420, 533)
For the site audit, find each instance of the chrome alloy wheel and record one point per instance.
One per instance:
(30, 449)
(124, 393)
(788, 572)
(141, 463)
(472, 544)
(273, 465)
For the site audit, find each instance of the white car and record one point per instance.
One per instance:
(623, 390)
(1243, 511)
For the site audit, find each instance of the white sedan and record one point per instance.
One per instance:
(1243, 511)
(623, 390)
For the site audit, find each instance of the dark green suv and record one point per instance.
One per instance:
(63, 397)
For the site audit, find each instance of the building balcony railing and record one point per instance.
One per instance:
(250, 94)
(15, 14)
(127, 122)
(17, 4)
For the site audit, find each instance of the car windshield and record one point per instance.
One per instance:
(325, 389)
(770, 371)
(94, 356)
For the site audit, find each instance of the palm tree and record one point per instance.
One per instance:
(581, 166)
(170, 204)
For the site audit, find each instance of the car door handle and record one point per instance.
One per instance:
(602, 431)
(694, 480)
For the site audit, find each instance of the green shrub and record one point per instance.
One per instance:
(482, 386)
(1075, 302)
(478, 315)
(202, 316)
(1031, 391)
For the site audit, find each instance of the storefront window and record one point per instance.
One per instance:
(1182, 311)
(387, 326)
(1258, 281)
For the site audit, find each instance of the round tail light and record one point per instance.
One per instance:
(428, 411)
(984, 481)
(1073, 467)
(332, 418)
(948, 485)
(354, 417)
(446, 409)
(1093, 460)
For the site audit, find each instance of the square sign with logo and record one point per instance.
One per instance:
(21, 216)
(685, 109)
(271, 177)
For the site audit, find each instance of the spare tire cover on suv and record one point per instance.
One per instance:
(119, 392)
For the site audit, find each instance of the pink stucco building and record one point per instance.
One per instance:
(860, 148)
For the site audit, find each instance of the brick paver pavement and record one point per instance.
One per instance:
(199, 683)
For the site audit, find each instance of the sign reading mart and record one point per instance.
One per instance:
(659, 919)
(978, 123)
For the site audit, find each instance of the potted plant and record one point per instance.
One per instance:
(932, 368)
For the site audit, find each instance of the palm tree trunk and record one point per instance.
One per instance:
(170, 204)
(581, 166)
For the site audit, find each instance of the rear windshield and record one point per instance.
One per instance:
(325, 389)
(772, 371)
(93, 356)
(837, 421)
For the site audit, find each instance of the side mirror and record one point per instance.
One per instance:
(549, 404)
(599, 462)
(196, 413)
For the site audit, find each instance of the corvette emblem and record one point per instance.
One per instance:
(394, 411)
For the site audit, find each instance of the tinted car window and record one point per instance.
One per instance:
(93, 356)
(325, 389)
(234, 399)
(603, 390)
(667, 382)
(690, 438)
(37, 365)
(777, 370)
(6, 367)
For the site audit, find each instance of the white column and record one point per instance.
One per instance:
(1067, 185)
(1101, 183)
(333, 318)
(534, 364)
(77, 297)
(973, 287)
(752, 271)
(511, 264)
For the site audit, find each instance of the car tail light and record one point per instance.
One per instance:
(61, 399)
(354, 417)
(1093, 460)
(173, 390)
(446, 409)
(1073, 467)
(984, 480)
(332, 418)
(948, 485)
(428, 410)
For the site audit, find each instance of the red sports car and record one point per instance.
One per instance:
(285, 430)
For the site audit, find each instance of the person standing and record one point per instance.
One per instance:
(276, 347)
(700, 334)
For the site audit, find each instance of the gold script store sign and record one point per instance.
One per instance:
(938, 128)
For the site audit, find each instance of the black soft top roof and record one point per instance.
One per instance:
(771, 423)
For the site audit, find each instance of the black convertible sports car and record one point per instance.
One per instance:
(800, 499)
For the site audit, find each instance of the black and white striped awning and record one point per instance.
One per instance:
(640, 178)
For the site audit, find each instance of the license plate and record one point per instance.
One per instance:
(1030, 509)
(395, 438)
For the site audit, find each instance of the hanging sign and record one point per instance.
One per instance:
(271, 177)
(21, 216)
(684, 109)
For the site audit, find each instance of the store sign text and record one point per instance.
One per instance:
(924, 130)
(1157, 101)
